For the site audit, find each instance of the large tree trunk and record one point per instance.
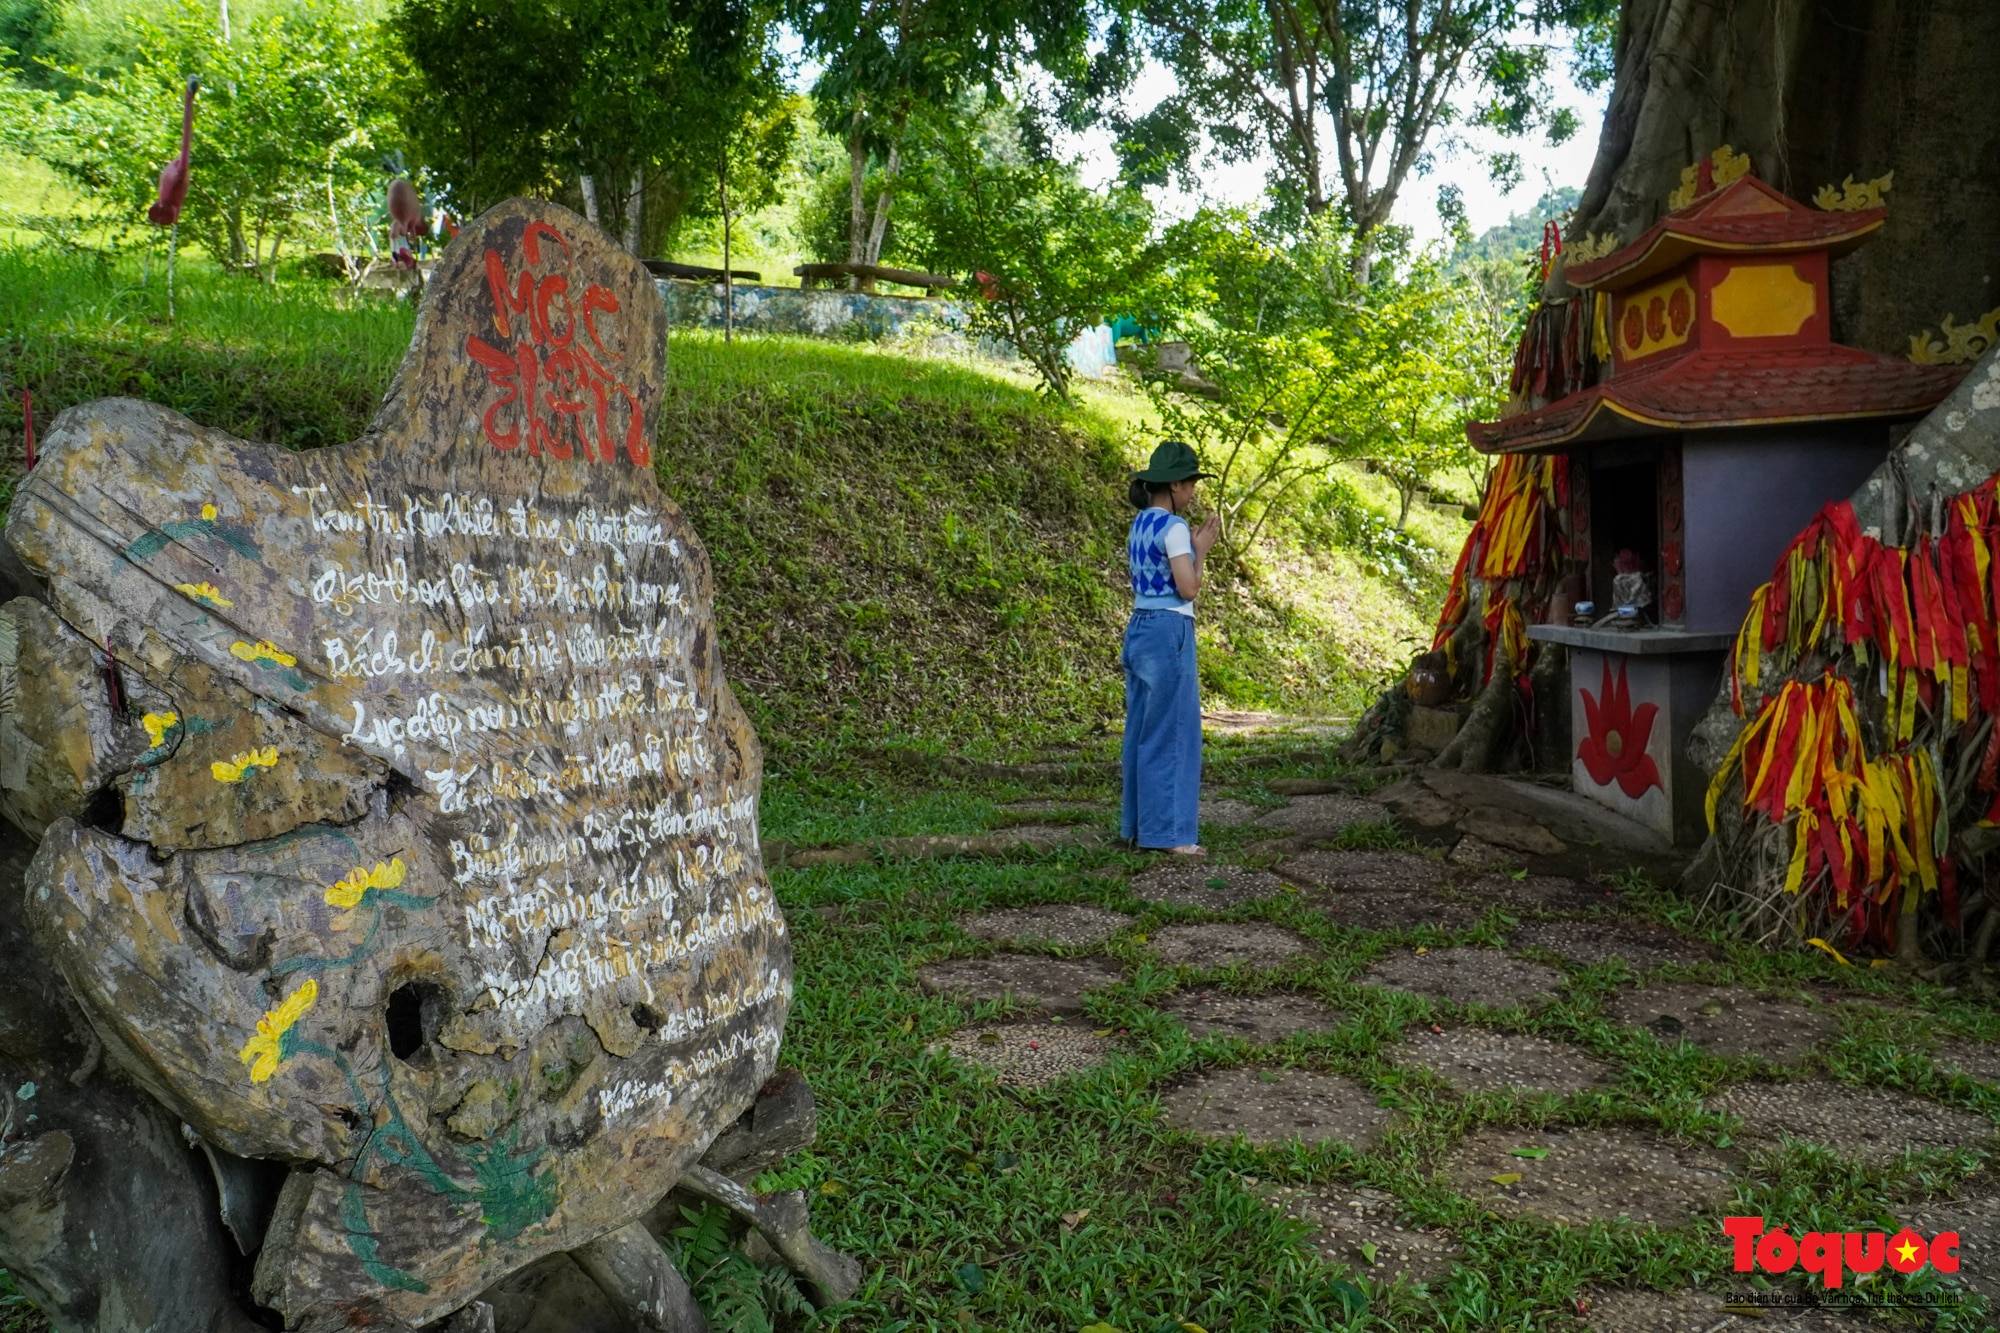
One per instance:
(1816, 91)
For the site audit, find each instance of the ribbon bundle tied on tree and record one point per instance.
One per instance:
(1865, 827)
(1922, 618)
(1517, 538)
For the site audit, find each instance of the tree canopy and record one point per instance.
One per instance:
(1348, 100)
(640, 98)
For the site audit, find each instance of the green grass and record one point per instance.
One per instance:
(925, 1166)
(17, 1314)
(302, 363)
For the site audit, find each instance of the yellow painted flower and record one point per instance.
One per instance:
(262, 651)
(206, 593)
(209, 512)
(351, 889)
(273, 1040)
(239, 767)
(157, 726)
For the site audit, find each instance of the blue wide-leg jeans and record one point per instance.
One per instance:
(1162, 731)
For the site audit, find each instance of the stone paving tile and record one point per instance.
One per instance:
(1055, 984)
(1538, 893)
(1028, 1055)
(1510, 832)
(1479, 1060)
(1873, 1124)
(1725, 1020)
(1344, 1220)
(1227, 811)
(1592, 1173)
(1976, 1219)
(1396, 871)
(1218, 944)
(1055, 807)
(1195, 884)
(1626, 1311)
(1466, 976)
(1329, 813)
(1639, 944)
(1074, 925)
(1271, 1105)
(1974, 1059)
(1397, 911)
(1478, 854)
(1267, 1017)
(1048, 835)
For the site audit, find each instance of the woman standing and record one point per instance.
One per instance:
(1162, 693)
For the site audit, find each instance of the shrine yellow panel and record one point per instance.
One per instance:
(1763, 301)
(1655, 319)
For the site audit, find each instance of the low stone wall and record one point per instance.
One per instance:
(819, 313)
(856, 316)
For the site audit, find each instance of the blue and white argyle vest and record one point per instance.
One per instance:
(1146, 550)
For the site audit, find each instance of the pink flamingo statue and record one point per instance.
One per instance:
(406, 221)
(166, 210)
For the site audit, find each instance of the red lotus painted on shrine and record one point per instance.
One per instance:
(1615, 749)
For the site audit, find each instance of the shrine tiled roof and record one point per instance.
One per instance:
(1742, 217)
(1707, 390)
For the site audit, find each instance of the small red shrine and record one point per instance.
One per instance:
(1723, 418)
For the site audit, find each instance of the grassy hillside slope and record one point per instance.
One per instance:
(907, 548)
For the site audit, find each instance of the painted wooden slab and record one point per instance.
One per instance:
(420, 846)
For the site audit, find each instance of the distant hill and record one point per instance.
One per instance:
(1521, 233)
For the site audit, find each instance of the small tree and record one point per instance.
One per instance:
(1048, 257)
(886, 66)
(1313, 366)
(293, 118)
(635, 101)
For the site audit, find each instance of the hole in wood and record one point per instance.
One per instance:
(647, 1017)
(416, 1012)
(105, 810)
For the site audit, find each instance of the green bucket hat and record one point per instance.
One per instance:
(1174, 460)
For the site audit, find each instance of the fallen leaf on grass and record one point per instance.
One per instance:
(909, 1025)
(1071, 1221)
(832, 1187)
(1537, 1153)
(1368, 1252)
(1102, 1032)
(1505, 1177)
(972, 1278)
(1100, 1328)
